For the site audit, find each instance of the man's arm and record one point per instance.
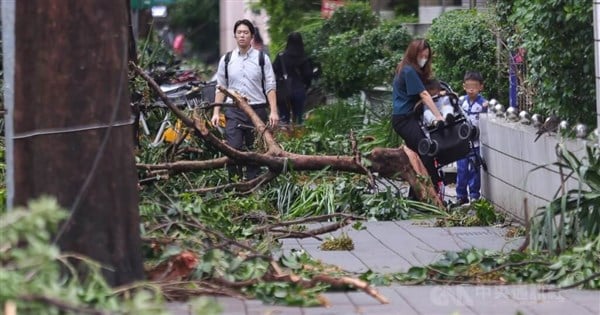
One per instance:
(219, 97)
(274, 115)
(270, 86)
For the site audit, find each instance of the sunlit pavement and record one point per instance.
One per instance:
(387, 247)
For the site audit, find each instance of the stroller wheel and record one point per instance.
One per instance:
(424, 146)
(434, 148)
(475, 133)
(464, 131)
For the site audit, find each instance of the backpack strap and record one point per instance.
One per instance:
(261, 63)
(227, 58)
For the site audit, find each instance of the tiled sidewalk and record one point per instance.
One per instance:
(395, 246)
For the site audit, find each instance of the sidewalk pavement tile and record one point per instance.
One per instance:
(433, 300)
(386, 309)
(380, 248)
(346, 260)
(274, 310)
(590, 299)
(334, 310)
(486, 299)
(362, 300)
(179, 308)
(232, 306)
(414, 251)
(485, 237)
(378, 257)
(438, 238)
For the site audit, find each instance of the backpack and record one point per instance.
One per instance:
(261, 62)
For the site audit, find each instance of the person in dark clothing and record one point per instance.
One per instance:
(407, 90)
(293, 71)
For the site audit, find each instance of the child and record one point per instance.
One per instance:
(468, 174)
(443, 102)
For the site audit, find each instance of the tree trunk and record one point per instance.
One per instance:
(73, 130)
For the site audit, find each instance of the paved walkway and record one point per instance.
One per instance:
(395, 246)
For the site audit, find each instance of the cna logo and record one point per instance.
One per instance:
(471, 295)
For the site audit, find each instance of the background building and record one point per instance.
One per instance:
(233, 10)
(430, 9)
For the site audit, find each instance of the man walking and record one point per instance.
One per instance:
(249, 72)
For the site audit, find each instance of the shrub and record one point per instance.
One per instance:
(557, 35)
(462, 40)
(353, 61)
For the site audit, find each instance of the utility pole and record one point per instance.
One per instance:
(69, 127)
(596, 10)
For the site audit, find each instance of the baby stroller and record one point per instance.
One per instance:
(447, 141)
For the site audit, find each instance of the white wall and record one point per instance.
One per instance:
(510, 182)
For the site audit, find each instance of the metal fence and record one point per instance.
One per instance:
(520, 92)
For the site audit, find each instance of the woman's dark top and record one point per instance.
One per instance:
(407, 86)
(298, 68)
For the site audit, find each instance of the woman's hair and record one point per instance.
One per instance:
(295, 45)
(412, 54)
(257, 38)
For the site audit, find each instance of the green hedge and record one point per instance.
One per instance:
(352, 62)
(462, 40)
(559, 37)
(355, 50)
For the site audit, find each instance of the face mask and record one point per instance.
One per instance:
(422, 62)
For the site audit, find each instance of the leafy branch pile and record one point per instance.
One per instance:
(579, 266)
(241, 258)
(36, 278)
(478, 213)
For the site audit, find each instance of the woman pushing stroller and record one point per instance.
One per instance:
(408, 90)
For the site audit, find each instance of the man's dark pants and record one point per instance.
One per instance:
(239, 134)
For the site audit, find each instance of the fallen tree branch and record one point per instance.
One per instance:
(279, 275)
(244, 187)
(318, 218)
(182, 290)
(182, 166)
(405, 162)
(574, 285)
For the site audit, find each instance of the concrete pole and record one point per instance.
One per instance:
(597, 59)
(8, 60)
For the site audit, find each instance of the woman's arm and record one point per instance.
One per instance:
(426, 98)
